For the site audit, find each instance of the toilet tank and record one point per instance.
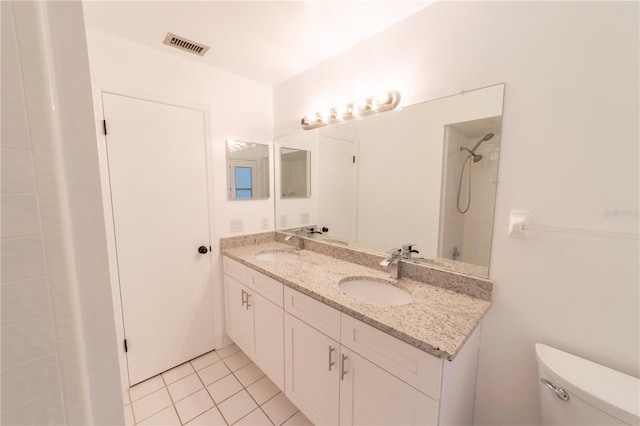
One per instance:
(585, 393)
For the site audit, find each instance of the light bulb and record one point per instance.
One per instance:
(309, 118)
(382, 98)
(341, 111)
(325, 115)
(359, 106)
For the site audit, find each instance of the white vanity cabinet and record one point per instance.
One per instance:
(339, 370)
(370, 395)
(312, 357)
(332, 384)
(238, 315)
(254, 317)
(312, 371)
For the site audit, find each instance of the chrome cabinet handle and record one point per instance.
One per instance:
(342, 374)
(243, 299)
(331, 363)
(248, 304)
(560, 393)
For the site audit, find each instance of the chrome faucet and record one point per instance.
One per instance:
(296, 233)
(407, 249)
(392, 260)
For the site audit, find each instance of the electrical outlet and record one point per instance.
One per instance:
(304, 217)
(236, 225)
(265, 223)
(283, 221)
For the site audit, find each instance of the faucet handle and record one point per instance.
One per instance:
(394, 251)
(407, 249)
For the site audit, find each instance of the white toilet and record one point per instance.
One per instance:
(574, 391)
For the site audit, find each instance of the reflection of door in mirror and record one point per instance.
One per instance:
(337, 186)
(469, 187)
(296, 173)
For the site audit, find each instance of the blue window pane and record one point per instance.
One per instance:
(243, 194)
(243, 177)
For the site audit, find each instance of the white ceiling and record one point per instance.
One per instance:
(264, 41)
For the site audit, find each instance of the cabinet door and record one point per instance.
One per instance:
(269, 338)
(371, 396)
(238, 318)
(312, 365)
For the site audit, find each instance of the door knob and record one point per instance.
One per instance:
(202, 250)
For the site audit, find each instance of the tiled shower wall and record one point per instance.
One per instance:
(44, 376)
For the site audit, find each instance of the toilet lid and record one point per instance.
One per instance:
(609, 390)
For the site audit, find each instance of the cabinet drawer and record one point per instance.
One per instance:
(410, 364)
(269, 288)
(235, 269)
(318, 315)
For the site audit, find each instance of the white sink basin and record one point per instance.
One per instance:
(375, 292)
(277, 256)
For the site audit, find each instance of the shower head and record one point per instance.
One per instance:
(472, 152)
(486, 137)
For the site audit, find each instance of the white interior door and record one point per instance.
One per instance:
(158, 180)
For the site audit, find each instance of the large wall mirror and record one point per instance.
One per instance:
(425, 174)
(248, 170)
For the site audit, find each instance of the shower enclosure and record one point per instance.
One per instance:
(471, 151)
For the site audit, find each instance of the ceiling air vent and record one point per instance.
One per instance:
(184, 44)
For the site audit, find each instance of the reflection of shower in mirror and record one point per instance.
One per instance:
(471, 165)
(472, 152)
(476, 158)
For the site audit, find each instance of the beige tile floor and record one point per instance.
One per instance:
(218, 388)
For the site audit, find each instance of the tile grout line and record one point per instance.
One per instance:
(251, 396)
(155, 412)
(215, 405)
(173, 404)
(290, 417)
(244, 388)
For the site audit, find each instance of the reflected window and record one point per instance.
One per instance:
(243, 183)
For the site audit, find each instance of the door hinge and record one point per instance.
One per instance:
(104, 126)
(354, 157)
(125, 346)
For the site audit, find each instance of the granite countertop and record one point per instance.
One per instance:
(437, 321)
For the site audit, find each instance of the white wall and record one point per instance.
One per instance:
(238, 108)
(569, 154)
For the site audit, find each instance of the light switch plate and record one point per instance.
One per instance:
(283, 221)
(265, 223)
(304, 217)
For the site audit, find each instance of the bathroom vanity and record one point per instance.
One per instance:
(345, 361)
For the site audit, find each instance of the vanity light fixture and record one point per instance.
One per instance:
(385, 101)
